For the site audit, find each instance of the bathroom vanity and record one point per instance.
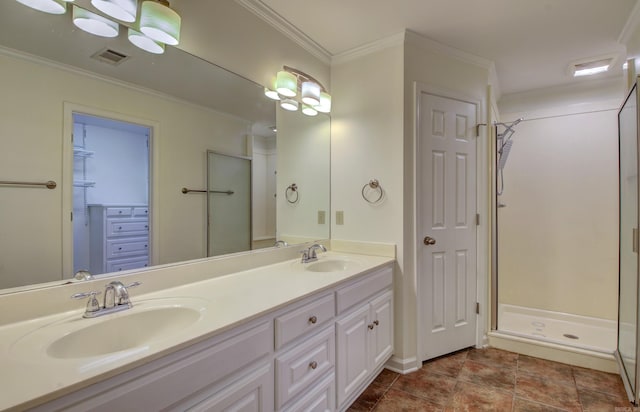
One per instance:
(286, 336)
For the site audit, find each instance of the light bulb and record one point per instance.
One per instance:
(308, 110)
(160, 22)
(325, 103)
(93, 23)
(286, 84)
(310, 93)
(289, 104)
(47, 6)
(125, 10)
(140, 40)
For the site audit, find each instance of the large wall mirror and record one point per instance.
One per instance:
(59, 83)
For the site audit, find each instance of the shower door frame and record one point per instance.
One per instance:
(632, 393)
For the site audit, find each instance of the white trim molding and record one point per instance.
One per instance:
(403, 365)
(285, 27)
(633, 23)
(378, 45)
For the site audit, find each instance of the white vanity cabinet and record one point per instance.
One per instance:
(119, 237)
(231, 370)
(305, 340)
(364, 333)
(316, 354)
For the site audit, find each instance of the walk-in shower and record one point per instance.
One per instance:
(555, 224)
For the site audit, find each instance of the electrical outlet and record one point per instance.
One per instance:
(321, 217)
(339, 217)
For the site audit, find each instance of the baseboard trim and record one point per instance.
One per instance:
(403, 365)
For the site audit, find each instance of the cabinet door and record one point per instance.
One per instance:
(352, 349)
(382, 333)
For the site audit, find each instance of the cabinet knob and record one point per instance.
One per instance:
(119, 227)
(313, 320)
(313, 364)
(119, 248)
(376, 322)
(370, 326)
(146, 226)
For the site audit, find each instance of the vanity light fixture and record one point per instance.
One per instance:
(93, 23)
(125, 10)
(159, 22)
(145, 43)
(289, 104)
(309, 110)
(289, 82)
(47, 6)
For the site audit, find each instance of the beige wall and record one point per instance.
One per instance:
(372, 137)
(31, 132)
(225, 33)
(558, 234)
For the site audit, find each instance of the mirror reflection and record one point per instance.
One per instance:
(59, 83)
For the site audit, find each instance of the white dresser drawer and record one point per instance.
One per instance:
(128, 227)
(118, 265)
(301, 320)
(118, 211)
(117, 248)
(298, 368)
(140, 211)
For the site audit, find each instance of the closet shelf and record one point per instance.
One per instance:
(80, 152)
(83, 183)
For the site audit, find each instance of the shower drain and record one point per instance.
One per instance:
(570, 336)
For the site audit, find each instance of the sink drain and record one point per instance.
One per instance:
(570, 336)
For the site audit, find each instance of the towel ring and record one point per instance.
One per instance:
(374, 185)
(292, 188)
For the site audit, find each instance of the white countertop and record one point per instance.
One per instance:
(29, 376)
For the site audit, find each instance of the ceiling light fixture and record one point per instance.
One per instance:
(290, 82)
(93, 23)
(47, 6)
(159, 22)
(145, 43)
(592, 66)
(125, 10)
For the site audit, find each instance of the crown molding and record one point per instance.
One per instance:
(285, 27)
(633, 23)
(428, 44)
(352, 54)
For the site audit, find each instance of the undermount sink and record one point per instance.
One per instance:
(331, 264)
(145, 323)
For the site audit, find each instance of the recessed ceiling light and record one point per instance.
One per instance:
(591, 67)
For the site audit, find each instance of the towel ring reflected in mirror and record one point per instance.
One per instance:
(290, 191)
(374, 186)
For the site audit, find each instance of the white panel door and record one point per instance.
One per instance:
(446, 224)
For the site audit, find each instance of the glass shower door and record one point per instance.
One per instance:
(628, 283)
(228, 204)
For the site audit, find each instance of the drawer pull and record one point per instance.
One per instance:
(119, 248)
(120, 212)
(313, 320)
(146, 226)
(313, 364)
(119, 227)
(376, 322)
(370, 326)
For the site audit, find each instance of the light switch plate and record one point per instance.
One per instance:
(339, 217)
(321, 217)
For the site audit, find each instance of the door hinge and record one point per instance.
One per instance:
(477, 219)
(634, 242)
(71, 216)
(477, 308)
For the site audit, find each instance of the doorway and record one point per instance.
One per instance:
(110, 215)
(446, 223)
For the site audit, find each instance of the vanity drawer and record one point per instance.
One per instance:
(303, 319)
(320, 398)
(118, 211)
(140, 211)
(128, 227)
(118, 265)
(297, 369)
(363, 289)
(117, 248)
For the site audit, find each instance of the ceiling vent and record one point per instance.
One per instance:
(110, 56)
(589, 67)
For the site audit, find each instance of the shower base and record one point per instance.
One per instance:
(593, 334)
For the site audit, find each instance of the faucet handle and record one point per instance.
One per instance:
(92, 304)
(133, 285)
(123, 299)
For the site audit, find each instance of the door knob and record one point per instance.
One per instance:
(428, 240)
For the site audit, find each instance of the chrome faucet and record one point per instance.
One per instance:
(281, 243)
(116, 298)
(310, 255)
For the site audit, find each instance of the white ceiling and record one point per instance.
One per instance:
(531, 42)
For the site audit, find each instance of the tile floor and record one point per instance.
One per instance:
(494, 380)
